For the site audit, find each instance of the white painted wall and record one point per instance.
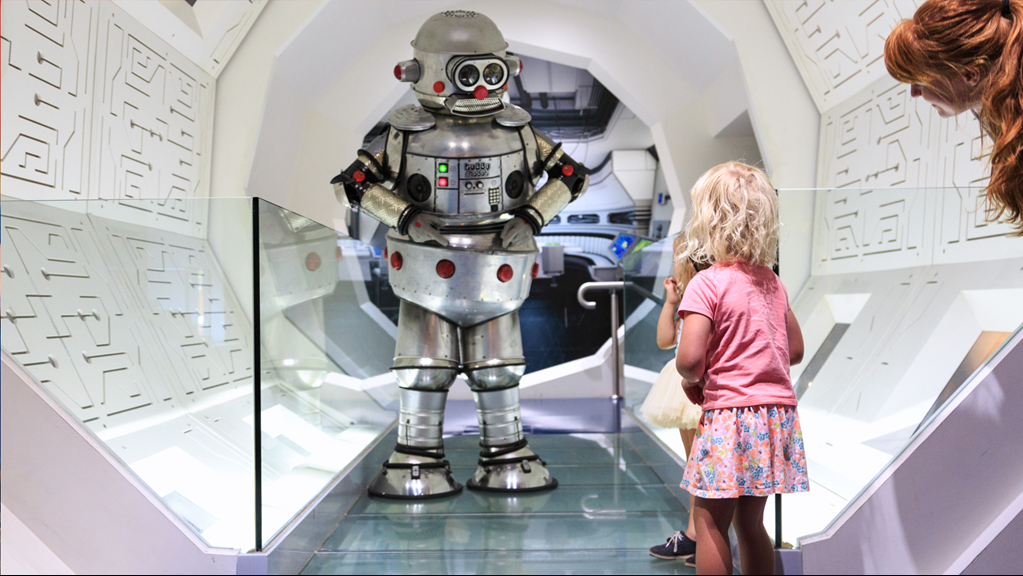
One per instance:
(785, 120)
(96, 106)
(901, 218)
(62, 484)
(207, 33)
(932, 511)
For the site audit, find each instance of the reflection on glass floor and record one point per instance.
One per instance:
(616, 499)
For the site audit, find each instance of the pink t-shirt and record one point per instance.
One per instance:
(748, 352)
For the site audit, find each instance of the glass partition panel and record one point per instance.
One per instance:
(143, 320)
(911, 291)
(121, 311)
(327, 389)
(644, 272)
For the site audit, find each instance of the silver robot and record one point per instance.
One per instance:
(454, 181)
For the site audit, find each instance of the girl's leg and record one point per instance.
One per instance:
(714, 554)
(688, 437)
(756, 551)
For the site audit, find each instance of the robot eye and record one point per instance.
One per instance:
(468, 75)
(493, 74)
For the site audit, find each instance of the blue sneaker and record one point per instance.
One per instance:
(677, 547)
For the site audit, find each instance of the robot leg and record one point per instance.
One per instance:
(426, 364)
(493, 362)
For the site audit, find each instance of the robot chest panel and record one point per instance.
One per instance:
(460, 177)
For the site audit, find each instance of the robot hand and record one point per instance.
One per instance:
(425, 228)
(516, 231)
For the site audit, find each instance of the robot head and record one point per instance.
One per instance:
(460, 65)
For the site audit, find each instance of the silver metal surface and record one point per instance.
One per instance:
(544, 144)
(499, 416)
(384, 205)
(500, 420)
(421, 421)
(459, 32)
(527, 476)
(581, 293)
(492, 345)
(617, 362)
(409, 71)
(414, 482)
(411, 118)
(457, 137)
(423, 335)
(500, 375)
(551, 199)
(513, 116)
(473, 294)
(461, 106)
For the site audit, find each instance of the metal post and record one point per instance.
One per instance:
(613, 287)
(777, 521)
(617, 364)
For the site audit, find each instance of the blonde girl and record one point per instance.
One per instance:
(738, 339)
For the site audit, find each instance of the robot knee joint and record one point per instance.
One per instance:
(486, 378)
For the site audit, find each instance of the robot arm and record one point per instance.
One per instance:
(363, 185)
(567, 181)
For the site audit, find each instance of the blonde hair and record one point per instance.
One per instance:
(735, 217)
(682, 270)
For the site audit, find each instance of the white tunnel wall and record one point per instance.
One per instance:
(916, 254)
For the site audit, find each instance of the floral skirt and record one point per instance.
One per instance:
(752, 451)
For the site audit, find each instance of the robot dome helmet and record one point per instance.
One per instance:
(460, 64)
(459, 33)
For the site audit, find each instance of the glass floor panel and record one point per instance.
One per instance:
(614, 562)
(613, 503)
(621, 475)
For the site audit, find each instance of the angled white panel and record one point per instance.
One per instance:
(153, 109)
(838, 47)
(74, 330)
(207, 33)
(873, 230)
(48, 59)
(119, 322)
(914, 184)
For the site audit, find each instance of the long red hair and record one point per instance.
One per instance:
(942, 42)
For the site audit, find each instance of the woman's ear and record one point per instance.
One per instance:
(972, 76)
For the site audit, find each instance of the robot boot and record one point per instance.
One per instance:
(492, 353)
(426, 365)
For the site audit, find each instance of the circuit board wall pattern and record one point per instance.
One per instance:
(96, 106)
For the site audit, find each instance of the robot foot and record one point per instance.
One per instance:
(419, 477)
(514, 469)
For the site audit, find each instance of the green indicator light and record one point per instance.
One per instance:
(442, 168)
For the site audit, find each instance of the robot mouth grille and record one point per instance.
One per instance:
(475, 106)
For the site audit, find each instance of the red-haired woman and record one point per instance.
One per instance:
(968, 55)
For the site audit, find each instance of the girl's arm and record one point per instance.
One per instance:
(691, 361)
(667, 322)
(795, 340)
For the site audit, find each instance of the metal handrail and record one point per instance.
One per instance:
(613, 288)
